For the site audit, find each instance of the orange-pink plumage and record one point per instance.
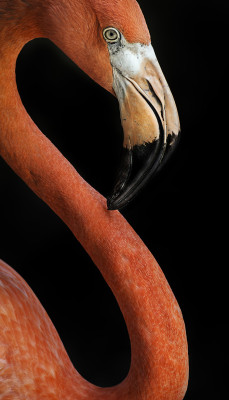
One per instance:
(33, 362)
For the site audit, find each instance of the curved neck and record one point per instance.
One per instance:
(152, 315)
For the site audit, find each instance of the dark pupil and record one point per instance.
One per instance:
(111, 34)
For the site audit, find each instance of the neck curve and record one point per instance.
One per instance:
(159, 366)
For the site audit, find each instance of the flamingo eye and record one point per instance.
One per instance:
(111, 35)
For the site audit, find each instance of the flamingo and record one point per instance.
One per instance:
(111, 43)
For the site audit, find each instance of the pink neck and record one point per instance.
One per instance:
(152, 315)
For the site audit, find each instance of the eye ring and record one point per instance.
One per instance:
(111, 35)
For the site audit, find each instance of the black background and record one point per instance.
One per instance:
(180, 215)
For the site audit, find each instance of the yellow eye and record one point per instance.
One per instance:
(111, 35)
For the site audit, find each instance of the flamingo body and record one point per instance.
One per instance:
(33, 362)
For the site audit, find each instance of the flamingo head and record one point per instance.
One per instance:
(110, 41)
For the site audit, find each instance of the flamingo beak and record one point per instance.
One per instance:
(151, 126)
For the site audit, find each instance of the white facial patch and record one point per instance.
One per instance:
(127, 57)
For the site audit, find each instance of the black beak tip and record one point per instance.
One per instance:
(111, 204)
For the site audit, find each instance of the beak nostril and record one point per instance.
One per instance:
(152, 91)
(155, 96)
